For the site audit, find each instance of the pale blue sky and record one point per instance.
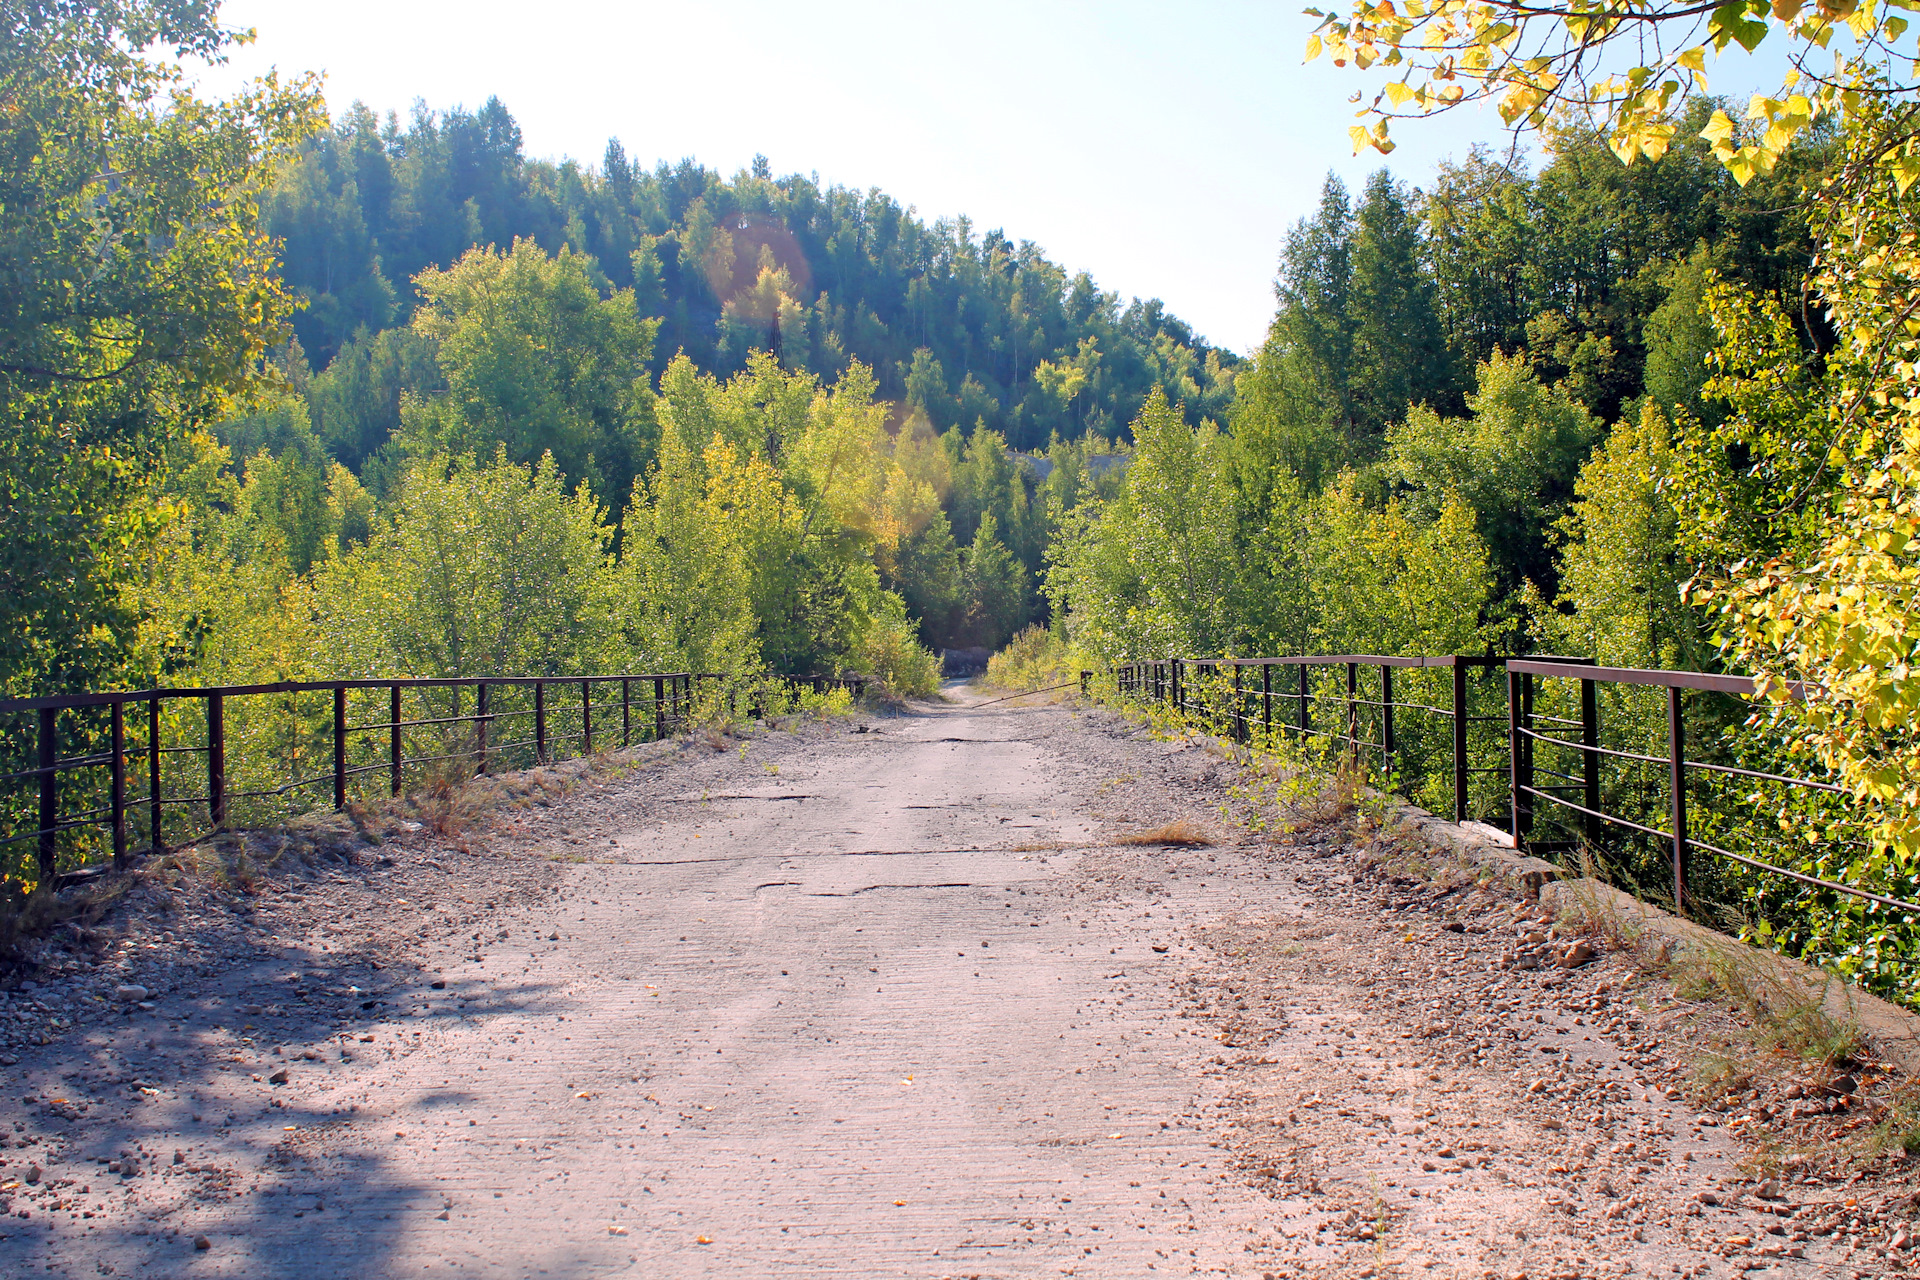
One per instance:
(1163, 147)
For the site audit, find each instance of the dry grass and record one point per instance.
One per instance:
(1182, 832)
(24, 917)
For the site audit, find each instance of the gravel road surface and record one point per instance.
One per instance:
(879, 998)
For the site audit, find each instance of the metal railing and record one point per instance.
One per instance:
(101, 787)
(1590, 817)
(1345, 699)
(1558, 797)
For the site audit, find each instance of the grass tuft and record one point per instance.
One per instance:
(1183, 832)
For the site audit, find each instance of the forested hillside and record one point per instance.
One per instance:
(968, 328)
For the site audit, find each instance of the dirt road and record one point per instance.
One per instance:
(877, 998)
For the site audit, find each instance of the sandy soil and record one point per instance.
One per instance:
(875, 998)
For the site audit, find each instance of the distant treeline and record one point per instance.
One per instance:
(968, 328)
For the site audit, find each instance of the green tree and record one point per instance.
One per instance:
(682, 595)
(1621, 571)
(996, 588)
(929, 578)
(475, 570)
(355, 401)
(1397, 357)
(137, 301)
(1680, 337)
(1384, 581)
(537, 361)
(1292, 413)
(1512, 463)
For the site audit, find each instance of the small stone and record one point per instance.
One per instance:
(129, 1167)
(1576, 955)
(33, 1175)
(443, 1216)
(438, 984)
(1842, 1085)
(1708, 1198)
(202, 1243)
(128, 993)
(278, 1077)
(1768, 1190)
(1901, 1240)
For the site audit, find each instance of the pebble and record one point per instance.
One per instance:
(130, 994)
(1575, 955)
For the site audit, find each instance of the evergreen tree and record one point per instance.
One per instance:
(1397, 357)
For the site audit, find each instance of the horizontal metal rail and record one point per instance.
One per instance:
(1216, 688)
(565, 710)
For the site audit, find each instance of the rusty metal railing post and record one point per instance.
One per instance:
(1590, 759)
(1353, 711)
(539, 722)
(49, 770)
(586, 717)
(155, 840)
(1386, 722)
(1513, 758)
(1266, 702)
(1459, 740)
(117, 779)
(217, 760)
(1519, 757)
(659, 708)
(482, 700)
(1528, 748)
(339, 746)
(396, 757)
(1306, 697)
(1677, 782)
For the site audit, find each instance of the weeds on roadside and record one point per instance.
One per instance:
(1190, 835)
(28, 915)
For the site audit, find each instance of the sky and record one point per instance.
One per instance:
(1164, 148)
